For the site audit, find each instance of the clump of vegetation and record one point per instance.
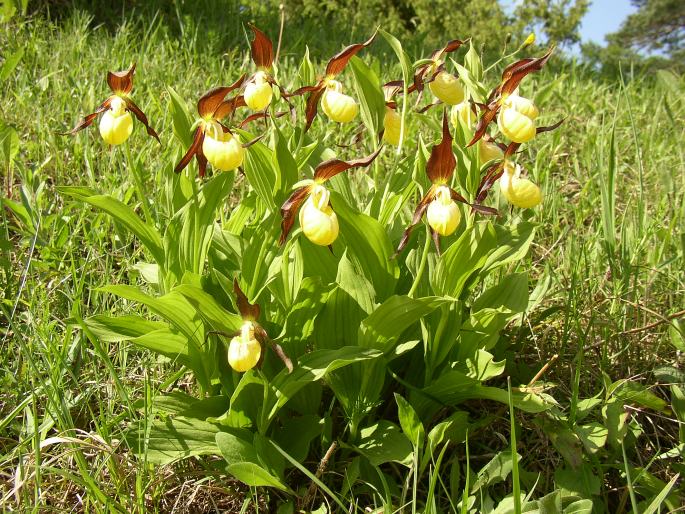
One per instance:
(360, 284)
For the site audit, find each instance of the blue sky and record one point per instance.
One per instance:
(604, 17)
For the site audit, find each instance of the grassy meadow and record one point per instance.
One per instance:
(604, 319)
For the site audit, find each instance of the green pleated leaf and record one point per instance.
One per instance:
(368, 242)
(259, 170)
(370, 96)
(209, 309)
(112, 329)
(462, 259)
(393, 317)
(173, 439)
(312, 367)
(180, 118)
(123, 214)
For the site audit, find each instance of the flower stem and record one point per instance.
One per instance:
(138, 183)
(422, 265)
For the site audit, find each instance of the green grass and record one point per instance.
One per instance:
(609, 261)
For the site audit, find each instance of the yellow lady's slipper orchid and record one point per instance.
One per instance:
(463, 113)
(516, 119)
(530, 39)
(443, 214)
(258, 93)
(222, 149)
(447, 88)
(489, 151)
(392, 125)
(518, 191)
(116, 124)
(317, 219)
(244, 350)
(338, 106)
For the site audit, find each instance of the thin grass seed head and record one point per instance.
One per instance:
(317, 219)
(518, 191)
(116, 124)
(338, 106)
(244, 350)
(443, 214)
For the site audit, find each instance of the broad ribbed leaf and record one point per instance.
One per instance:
(123, 214)
(464, 257)
(369, 242)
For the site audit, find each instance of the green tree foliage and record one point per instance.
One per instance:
(559, 20)
(429, 23)
(657, 26)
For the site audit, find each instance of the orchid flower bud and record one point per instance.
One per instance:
(222, 149)
(258, 93)
(463, 113)
(338, 107)
(244, 350)
(317, 219)
(443, 214)
(392, 124)
(116, 124)
(518, 191)
(516, 119)
(489, 151)
(530, 39)
(446, 87)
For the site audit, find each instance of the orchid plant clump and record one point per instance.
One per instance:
(324, 264)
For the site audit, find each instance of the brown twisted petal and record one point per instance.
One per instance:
(493, 173)
(481, 128)
(442, 162)
(426, 107)
(489, 139)
(89, 119)
(513, 74)
(483, 209)
(306, 89)
(418, 214)
(549, 128)
(282, 355)
(227, 107)
(338, 62)
(247, 310)
(201, 163)
(195, 149)
(312, 107)
(253, 141)
(212, 100)
(436, 240)
(330, 168)
(262, 48)
(511, 149)
(259, 116)
(289, 211)
(141, 117)
(121, 82)
(450, 47)
(457, 197)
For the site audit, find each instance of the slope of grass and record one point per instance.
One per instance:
(609, 262)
